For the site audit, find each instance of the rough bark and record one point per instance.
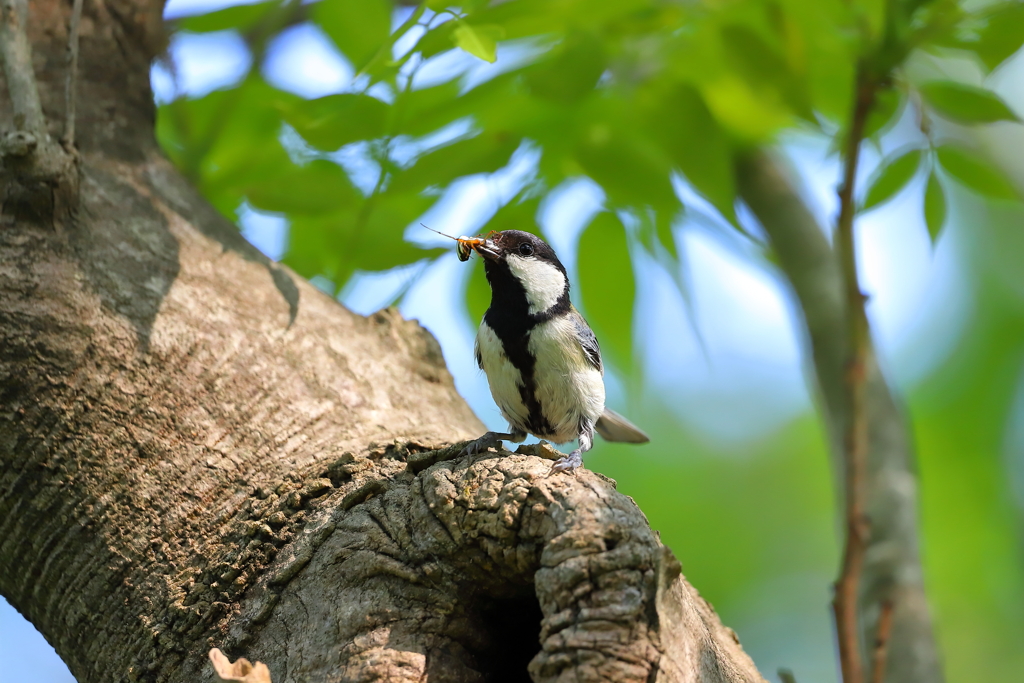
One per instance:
(892, 564)
(198, 450)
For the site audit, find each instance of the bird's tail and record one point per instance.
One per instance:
(614, 427)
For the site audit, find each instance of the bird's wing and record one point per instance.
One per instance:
(585, 335)
(614, 427)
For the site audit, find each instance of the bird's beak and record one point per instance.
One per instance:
(488, 249)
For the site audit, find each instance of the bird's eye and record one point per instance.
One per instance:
(526, 249)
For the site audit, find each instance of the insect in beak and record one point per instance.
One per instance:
(488, 249)
(466, 245)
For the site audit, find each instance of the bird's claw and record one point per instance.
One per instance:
(568, 463)
(488, 440)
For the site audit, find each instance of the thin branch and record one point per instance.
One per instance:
(16, 54)
(855, 444)
(28, 147)
(69, 93)
(881, 652)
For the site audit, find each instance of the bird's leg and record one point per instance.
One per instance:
(493, 440)
(575, 459)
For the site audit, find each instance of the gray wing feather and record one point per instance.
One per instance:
(614, 427)
(588, 341)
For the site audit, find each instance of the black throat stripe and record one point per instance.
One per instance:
(510, 318)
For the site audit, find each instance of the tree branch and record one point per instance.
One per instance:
(199, 450)
(892, 565)
(881, 650)
(70, 98)
(847, 588)
(186, 468)
(40, 178)
(17, 59)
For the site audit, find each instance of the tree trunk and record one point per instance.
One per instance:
(892, 572)
(198, 449)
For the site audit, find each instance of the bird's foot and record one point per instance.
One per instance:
(568, 463)
(488, 440)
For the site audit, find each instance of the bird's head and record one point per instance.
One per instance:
(513, 259)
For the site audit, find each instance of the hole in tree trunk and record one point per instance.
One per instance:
(513, 637)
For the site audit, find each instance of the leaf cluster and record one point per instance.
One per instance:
(640, 96)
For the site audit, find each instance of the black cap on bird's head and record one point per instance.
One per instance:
(499, 246)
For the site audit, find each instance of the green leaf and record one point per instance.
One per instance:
(239, 17)
(1002, 36)
(360, 28)
(975, 172)
(631, 168)
(482, 154)
(227, 140)
(764, 69)
(316, 246)
(331, 122)
(570, 72)
(380, 243)
(666, 235)
(892, 175)
(966, 103)
(423, 111)
(871, 15)
(518, 214)
(377, 257)
(318, 187)
(934, 206)
(885, 113)
(363, 237)
(479, 41)
(437, 40)
(198, 128)
(607, 285)
(682, 124)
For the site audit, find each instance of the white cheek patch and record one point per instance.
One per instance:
(544, 284)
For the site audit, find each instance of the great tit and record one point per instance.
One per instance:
(542, 360)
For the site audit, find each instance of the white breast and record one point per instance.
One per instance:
(543, 282)
(566, 384)
(502, 377)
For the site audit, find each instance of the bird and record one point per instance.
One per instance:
(542, 361)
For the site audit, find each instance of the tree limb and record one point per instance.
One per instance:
(70, 98)
(892, 565)
(881, 650)
(193, 467)
(36, 175)
(17, 59)
(199, 450)
(847, 587)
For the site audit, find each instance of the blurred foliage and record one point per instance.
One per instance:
(633, 94)
(643, 96)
